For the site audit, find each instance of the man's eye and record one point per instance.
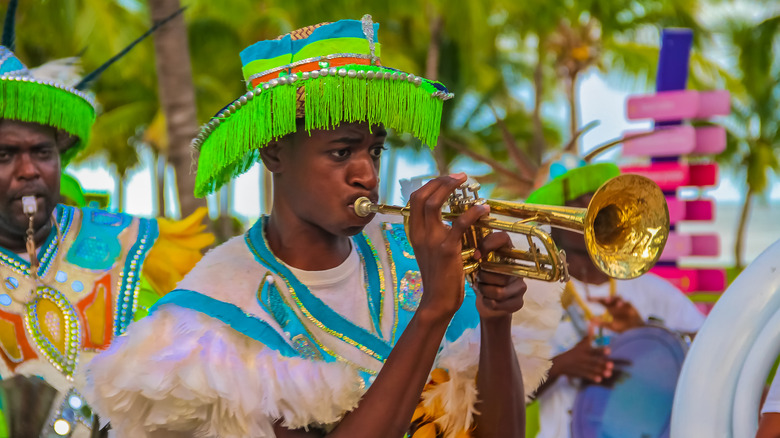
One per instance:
(340, 153)
(377, 151)
(45, 153)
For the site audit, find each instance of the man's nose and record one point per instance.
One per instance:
(26, 168)
(364, 173)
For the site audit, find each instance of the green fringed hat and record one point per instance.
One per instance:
(27, 99)
(569, 182)
(324, 75)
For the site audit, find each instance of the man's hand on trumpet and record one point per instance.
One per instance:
(498, 296)
(438, 249)
(437, 246)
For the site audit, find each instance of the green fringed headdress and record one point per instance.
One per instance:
(27, 99)
(323, 75)
(570, 183)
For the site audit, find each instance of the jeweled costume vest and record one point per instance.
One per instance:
(87, 293)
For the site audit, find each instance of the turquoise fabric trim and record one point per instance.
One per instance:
(466, 317)
(148, 232)
(266, 50)
(310, 303)
(10, 64)
(231, 315)
(372, 268)
(270, 299)
(286, 46)
(64, 216)
(272, 302)
(97, 246)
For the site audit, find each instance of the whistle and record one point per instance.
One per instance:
(29, 206)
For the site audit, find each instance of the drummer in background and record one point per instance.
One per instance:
(629, 303)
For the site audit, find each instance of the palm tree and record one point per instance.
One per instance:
(177, 98)
(754, 128)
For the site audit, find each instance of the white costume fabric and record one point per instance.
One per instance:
(652, 296)
(180, 369)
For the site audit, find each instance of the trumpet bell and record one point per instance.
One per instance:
(626, 226)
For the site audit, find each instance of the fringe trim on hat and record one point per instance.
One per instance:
(30, 101)
(229, 144)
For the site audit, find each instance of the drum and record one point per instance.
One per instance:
(637, 402)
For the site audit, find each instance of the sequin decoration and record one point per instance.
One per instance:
(11, 283)
(305, 348)
(77, 286)
(105, 218)
(278, 307)
(59, 346)
(410, 291)
(271, 301)
(74, 409)
(398, 234)
(5, 300)
(93, 250)
(61, 277)
(52, 321)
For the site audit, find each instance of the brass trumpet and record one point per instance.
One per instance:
(625, 228)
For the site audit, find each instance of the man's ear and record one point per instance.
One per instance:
(271, 156)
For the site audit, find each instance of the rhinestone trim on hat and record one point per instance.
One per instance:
(293, 79)
(78, 93)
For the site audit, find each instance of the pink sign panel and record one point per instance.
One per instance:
(678, 105)
(695, 210)
(676, 209)
(710, 140)
(670, 176)
(700, 210)
(677, 140)
(684, 245)
(693, 280)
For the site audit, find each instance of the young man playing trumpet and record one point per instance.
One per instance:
(318, 322)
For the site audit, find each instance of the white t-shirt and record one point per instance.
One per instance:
(652, 296)
(341, 288)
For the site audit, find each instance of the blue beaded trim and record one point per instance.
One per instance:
(129, 283)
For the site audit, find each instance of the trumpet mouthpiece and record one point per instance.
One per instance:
(362, 206)
(29, 206)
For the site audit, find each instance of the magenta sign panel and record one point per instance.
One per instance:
(667, 150)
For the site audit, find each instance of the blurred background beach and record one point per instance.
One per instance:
(528, 76)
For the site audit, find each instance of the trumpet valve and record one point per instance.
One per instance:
(474, 190)
(468, 253)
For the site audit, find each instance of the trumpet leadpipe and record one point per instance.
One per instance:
(363, 207)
